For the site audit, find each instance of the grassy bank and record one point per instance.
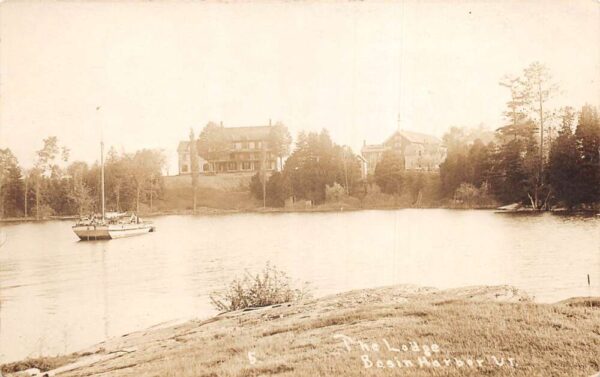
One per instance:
(463, 332)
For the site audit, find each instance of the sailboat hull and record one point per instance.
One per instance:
(128, 230)
(111, 231)
(91, 232)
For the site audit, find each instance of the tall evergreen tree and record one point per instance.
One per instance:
(11, 185)
(563, 163)
(513, 176)
(588, 143)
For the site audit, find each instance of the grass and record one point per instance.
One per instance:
(303, 338)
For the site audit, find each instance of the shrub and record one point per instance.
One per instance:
(335, 192)
(471, 196)
(270, 287)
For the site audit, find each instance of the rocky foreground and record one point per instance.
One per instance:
(392, 331)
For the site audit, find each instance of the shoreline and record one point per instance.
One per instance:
(331, 335)
(208, 211)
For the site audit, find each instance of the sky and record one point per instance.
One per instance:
(157, 69)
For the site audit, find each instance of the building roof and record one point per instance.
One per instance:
(236, 134)
(247, 133)
(416, 137)
(373, 148)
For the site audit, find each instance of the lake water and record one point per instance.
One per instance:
(59, 295)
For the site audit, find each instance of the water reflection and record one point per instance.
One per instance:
(60, 295)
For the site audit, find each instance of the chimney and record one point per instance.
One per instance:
(221, 123)
(269, 122)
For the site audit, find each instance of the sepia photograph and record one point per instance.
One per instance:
(228, 188)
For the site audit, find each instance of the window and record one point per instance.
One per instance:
(231, 166)
(184, 168)
(246, 166)
(251, 145)
(237, 145)
(258, 144)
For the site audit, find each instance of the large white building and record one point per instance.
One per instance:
(245, 149)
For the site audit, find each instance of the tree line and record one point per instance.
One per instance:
(315, 168)
(541, 157)
(56, 186)
(567, 175)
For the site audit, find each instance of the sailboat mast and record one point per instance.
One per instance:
(102, 166)
(102, 176)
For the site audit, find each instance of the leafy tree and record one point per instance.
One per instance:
(212, 143)
(79, 193)
(389, 172)
(46, 166)
(280, 141)
(57, 196)
(144, 166)
(469, 195)
(335, 192)
(116, 179)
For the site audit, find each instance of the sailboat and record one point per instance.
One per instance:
(110, 225)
